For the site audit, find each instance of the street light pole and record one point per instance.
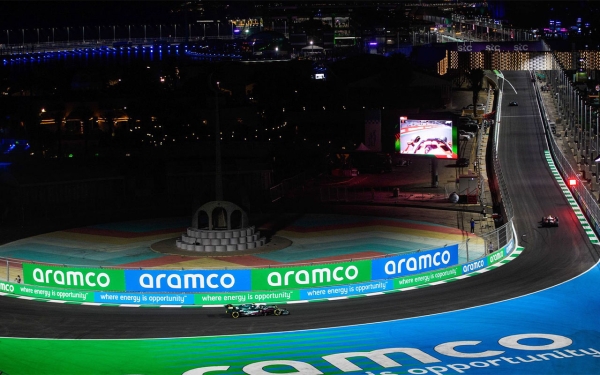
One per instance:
(204, 22)
(597, 151)
(218, 167)
(467, 243)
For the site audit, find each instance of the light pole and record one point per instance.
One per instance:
(204, 22)
(467, 244)
(144, 33)
(7, 38)
(218, 167)
(311, 49)
(175, 31)
(83, 34)
(276, 52)
(597, 151)
(114, 38)
(589, 153)
(129, 33)
(68, 35)
(159, 31)
(53, 35)
(23, 33)
(99, 34)
(38, 35)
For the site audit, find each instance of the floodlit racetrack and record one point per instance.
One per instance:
(551, 256)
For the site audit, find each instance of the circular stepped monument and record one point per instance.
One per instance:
(220, 226)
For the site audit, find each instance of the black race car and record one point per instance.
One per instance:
(251, 309)
(513, 104)
(274, 310)
(549, 221)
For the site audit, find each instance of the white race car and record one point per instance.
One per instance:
(549, 221)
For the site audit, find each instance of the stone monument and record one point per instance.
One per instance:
(219, 226)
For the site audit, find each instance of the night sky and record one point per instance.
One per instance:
(16, 15)
(31, 14)
(538, 13)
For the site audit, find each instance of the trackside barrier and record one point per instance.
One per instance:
(291, 283)
(585, 198)
(505, 234)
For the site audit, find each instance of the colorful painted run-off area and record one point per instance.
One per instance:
(381, 255)
(314, 239)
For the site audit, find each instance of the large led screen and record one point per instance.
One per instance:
(433, 138)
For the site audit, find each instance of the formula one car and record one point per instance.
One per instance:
(549, 221)
(513, 104)
(275, 310)
(251, 309)
(434, 146)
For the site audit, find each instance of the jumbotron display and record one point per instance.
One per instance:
(433, 138)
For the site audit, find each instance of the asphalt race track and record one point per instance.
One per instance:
(551, 256)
